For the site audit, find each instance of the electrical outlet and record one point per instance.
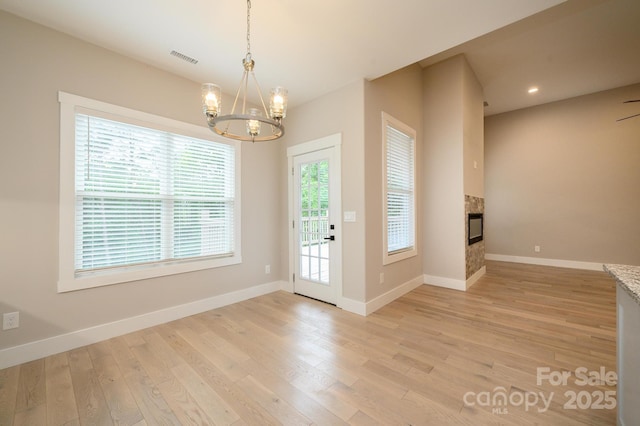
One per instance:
(381, 277)
(267, 269)
(10, 320)
(536, 249)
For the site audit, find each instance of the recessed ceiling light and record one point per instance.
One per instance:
(533, 90)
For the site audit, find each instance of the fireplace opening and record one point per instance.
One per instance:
(475, 227)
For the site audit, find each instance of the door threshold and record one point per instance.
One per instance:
(313, 298)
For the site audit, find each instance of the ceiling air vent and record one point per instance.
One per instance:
(184, 57)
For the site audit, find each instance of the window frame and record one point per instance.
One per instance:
(68, 279)
(398, 255)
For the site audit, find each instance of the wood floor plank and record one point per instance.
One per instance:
(336, 408)
(207, 345)
(183, 405)
(276, 406)
(122, 404)
(375, 402)
(148, 397)
(285, 359)
(157, 370)
(135, 338)
(368, 406)
(263, 353)
(161, 349)
(61, 402)
(313, 403)
(8, 393)
(90, 402)
(360, 418)
(209, 401)
(150, 401)
(436, 414)
(340, 372)
(99, 349)
(429, 385)
(35, 415)
(31, 386)
(248, 409)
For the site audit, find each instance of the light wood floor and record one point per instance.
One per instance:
(285, 359)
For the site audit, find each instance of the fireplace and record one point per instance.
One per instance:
(476, 227)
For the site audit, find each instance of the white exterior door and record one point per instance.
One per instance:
(315, 225)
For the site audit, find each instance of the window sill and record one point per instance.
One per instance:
(72, 281)
(388, 259)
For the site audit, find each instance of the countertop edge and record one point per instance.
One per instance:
(627, 277)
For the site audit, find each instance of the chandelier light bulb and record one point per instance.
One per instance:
(253, 126)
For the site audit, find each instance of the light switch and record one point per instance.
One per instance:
(349, 216)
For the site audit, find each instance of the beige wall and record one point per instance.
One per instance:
(442, 170)
(566, 176)
(400, 95)
(453, 142)
(341, 111)
(36, 64)
(473, 133)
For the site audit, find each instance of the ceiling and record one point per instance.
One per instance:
(576, 48)
(567, 48)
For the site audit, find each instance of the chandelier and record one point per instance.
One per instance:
(249, 124)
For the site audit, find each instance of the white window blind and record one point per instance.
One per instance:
(142, 196)
(399, 155)
(145, 196)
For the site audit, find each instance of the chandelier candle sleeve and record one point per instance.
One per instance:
(278, 103)
(211, 99)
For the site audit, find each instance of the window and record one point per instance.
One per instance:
(399, 216)
(142, 196)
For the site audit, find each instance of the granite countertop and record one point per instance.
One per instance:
(628, 278)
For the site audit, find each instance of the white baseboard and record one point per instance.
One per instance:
(451, 283)
(353, 306)
(75, 339)
(388, 297)
(366, 308)
(573, 264)
(454, 284)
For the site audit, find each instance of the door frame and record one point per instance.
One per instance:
(332, 141)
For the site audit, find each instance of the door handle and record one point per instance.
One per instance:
(331, 238)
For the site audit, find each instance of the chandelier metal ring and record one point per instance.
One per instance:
(277, 127)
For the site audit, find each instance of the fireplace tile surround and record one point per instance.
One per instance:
(474, 253)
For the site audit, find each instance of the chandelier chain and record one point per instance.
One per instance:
(248, 28)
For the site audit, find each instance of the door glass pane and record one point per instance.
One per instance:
(314, 222)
